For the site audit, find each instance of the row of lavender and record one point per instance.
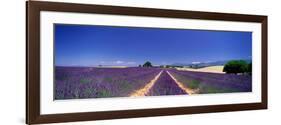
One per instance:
(85, 82)
(165, 85)
(213, 82)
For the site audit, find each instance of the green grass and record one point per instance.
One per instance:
(211, 89)
(85, 80)
(203, 88)
(108, 79)
(189, 83)
(126, 85)
(193, 84)
(104, 93)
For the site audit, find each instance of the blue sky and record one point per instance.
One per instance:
(85, 45)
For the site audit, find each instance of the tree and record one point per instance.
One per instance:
(147, 64)
(249, 68)
(168, 66)
(236, 66)
(140, 66)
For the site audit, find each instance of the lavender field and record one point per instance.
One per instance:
(88, 82)
(83, 82)
(214, 82)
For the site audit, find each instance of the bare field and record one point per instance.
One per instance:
(210, 69)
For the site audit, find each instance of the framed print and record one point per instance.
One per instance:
(93, 62)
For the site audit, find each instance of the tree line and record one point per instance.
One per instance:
(231, 67)
(237, 66)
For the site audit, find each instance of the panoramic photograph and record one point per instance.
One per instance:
(92, 61)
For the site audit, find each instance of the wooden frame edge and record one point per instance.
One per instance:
(32, 63)
(264, 60)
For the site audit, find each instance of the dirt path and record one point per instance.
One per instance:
(187, 90)
(165, 85)
(143, 91)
